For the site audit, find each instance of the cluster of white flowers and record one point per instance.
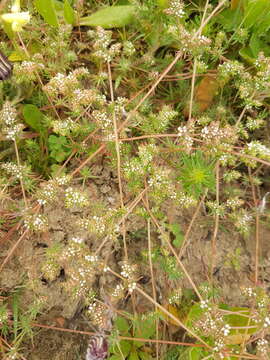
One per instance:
(165, 116)
(128, 271)
(234, 203)
(255, 148)
(118, 291)
(62, 179)
(102, 45)
(48, 193)
(75, 198)
(132, 287)
(92, 259)
(262, 302)
(229, 176)
(96, 225)
(64, 127)
(219, 345)
(146, 153)
(242, 221)
(37, 222)
(176, 8)
(215, 208)
(249, 292)
(159, 179)
(8, 114)
(175, 297)
(191, 41)
(230, 69)
(213, 133)
(97, 313)
(253, 124)
(10, 128)
(65, 85)
(77, 240)
(28, 67)
(85, 97)
(226, 329)
(50, 270)
(185, 138)
(262, 347)
(185, 200)
(18, 171)
(132, 168)
(80, 278)
(204, 304)
(71, 251)
(266, 323)
(119, 105)
(128, 48)
(103, 120)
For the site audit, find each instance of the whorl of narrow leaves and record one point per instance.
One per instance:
(97, 348)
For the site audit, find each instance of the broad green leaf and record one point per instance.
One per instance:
(247, 55)
(17, 55)
(58, 5)
(122, 325)
(46, 8)
(125, 347)
(133, 356)
(177, 232)
(145, 356)
(144, 329)
(110, 17)
(194, 314)
(255, 44)
(235, 4)
(255, 11)
(122, 2)
(240, 316)
(116, 357)
(33, 117)
(7, 27)
(230, 19)
(69, 13)
(195, 353)
(163, 4)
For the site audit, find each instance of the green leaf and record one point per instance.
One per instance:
(255, 44)
(255, 11)
(46, 8)
(7, 27)
(133, 356)
(230, 19)
(144, 329)
(194, 314)
(177, 232)
(145, 356)
(247, 55)
(195, 353)
(125, 347)
(59, 147)
(33, 117)
(17, 55)
(122, 325)
(163, 4)
(69, 14)
(110, 17)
